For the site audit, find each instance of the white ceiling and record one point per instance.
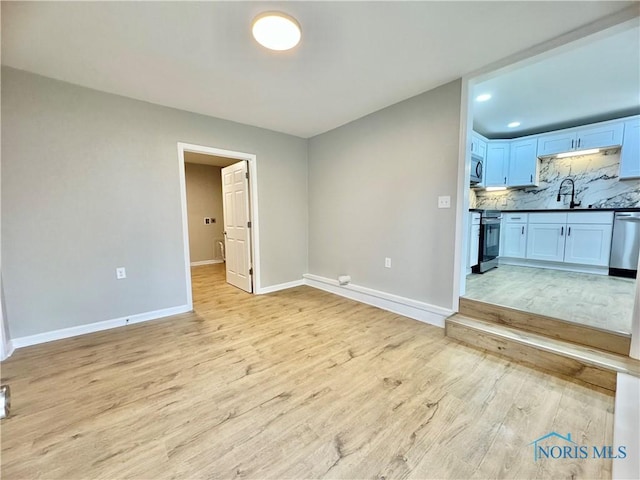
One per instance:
(595, 80)
(354, 58)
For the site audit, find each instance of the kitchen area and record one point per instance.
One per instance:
(554, 200)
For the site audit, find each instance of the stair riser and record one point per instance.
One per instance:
(550, 327)
(531, 356)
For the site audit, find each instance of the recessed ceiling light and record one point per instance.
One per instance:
(276, 31)
(483, 98)
(513, 124)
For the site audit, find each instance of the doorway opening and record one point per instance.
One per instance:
(576, 290)
(219, 221)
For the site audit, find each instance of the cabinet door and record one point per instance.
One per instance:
(588, 244)
(478, 146)
(515, 240)
(630, 155)
(474, 245)
(496, 166)
(609, 135)
(556, 143)
(545, 241)
(523, 164)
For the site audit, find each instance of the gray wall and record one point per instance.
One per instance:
(373, 190)
(204, 199)
(90, 182)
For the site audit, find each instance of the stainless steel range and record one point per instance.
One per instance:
(489, 240)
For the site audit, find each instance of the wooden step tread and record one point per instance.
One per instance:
(583, 354)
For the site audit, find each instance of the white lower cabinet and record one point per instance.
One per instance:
(474, 239)
(582, 238)
(514, 238)
(545, 241)
(588, 244)
(474, 248)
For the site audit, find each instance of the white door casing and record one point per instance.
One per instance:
(235, 204)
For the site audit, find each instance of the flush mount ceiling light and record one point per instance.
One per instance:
(483, 98)
(577, 153)
(276, 31)
(513, 124)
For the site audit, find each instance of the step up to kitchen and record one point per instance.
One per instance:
(609, 341)
(585, 364)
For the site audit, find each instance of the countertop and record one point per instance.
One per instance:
(636, 209)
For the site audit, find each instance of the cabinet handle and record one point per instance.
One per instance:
(569, 232)
(532, 178)
(561, 231)
(505, 180)
(515, 218)
(579, 142)
(571, 143)
(523, 230)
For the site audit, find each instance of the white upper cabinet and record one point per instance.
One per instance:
(593, 136)
(630, 155)
(553, 143)
(478, 146)
(496, 165)
(523, 163)
(604, 136)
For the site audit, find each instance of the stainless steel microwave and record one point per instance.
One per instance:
(476, 170)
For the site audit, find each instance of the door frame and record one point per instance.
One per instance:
(253, 209)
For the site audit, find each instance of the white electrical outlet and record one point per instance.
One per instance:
(387, 262)
(121, 273)
(444, 201)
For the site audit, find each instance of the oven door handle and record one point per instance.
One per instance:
(490, 221)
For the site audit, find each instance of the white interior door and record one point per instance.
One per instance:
(237, 238)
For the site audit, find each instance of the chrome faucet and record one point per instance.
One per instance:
(573, 203)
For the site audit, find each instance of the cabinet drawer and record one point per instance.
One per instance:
(590, 217)
(515, 217)
(547, 218)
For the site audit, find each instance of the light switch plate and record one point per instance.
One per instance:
(387, 262)
(121, 273)
(444, 201)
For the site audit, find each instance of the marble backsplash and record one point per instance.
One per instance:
(595, 177)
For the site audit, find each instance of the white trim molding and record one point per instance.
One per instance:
(97, 326)
(625, 427)
(424, 312)
(205, 262)
(280, 286)
(251, 160)
(7, 349)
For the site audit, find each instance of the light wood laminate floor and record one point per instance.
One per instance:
(295, 384)
(594, 300)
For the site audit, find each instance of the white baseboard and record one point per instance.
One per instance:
(280, 286)
(97, 326)
(625, 427)
(415, 309)
(7, 350)
(205, 262)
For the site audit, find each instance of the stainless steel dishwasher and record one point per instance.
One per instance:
(625, 244)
